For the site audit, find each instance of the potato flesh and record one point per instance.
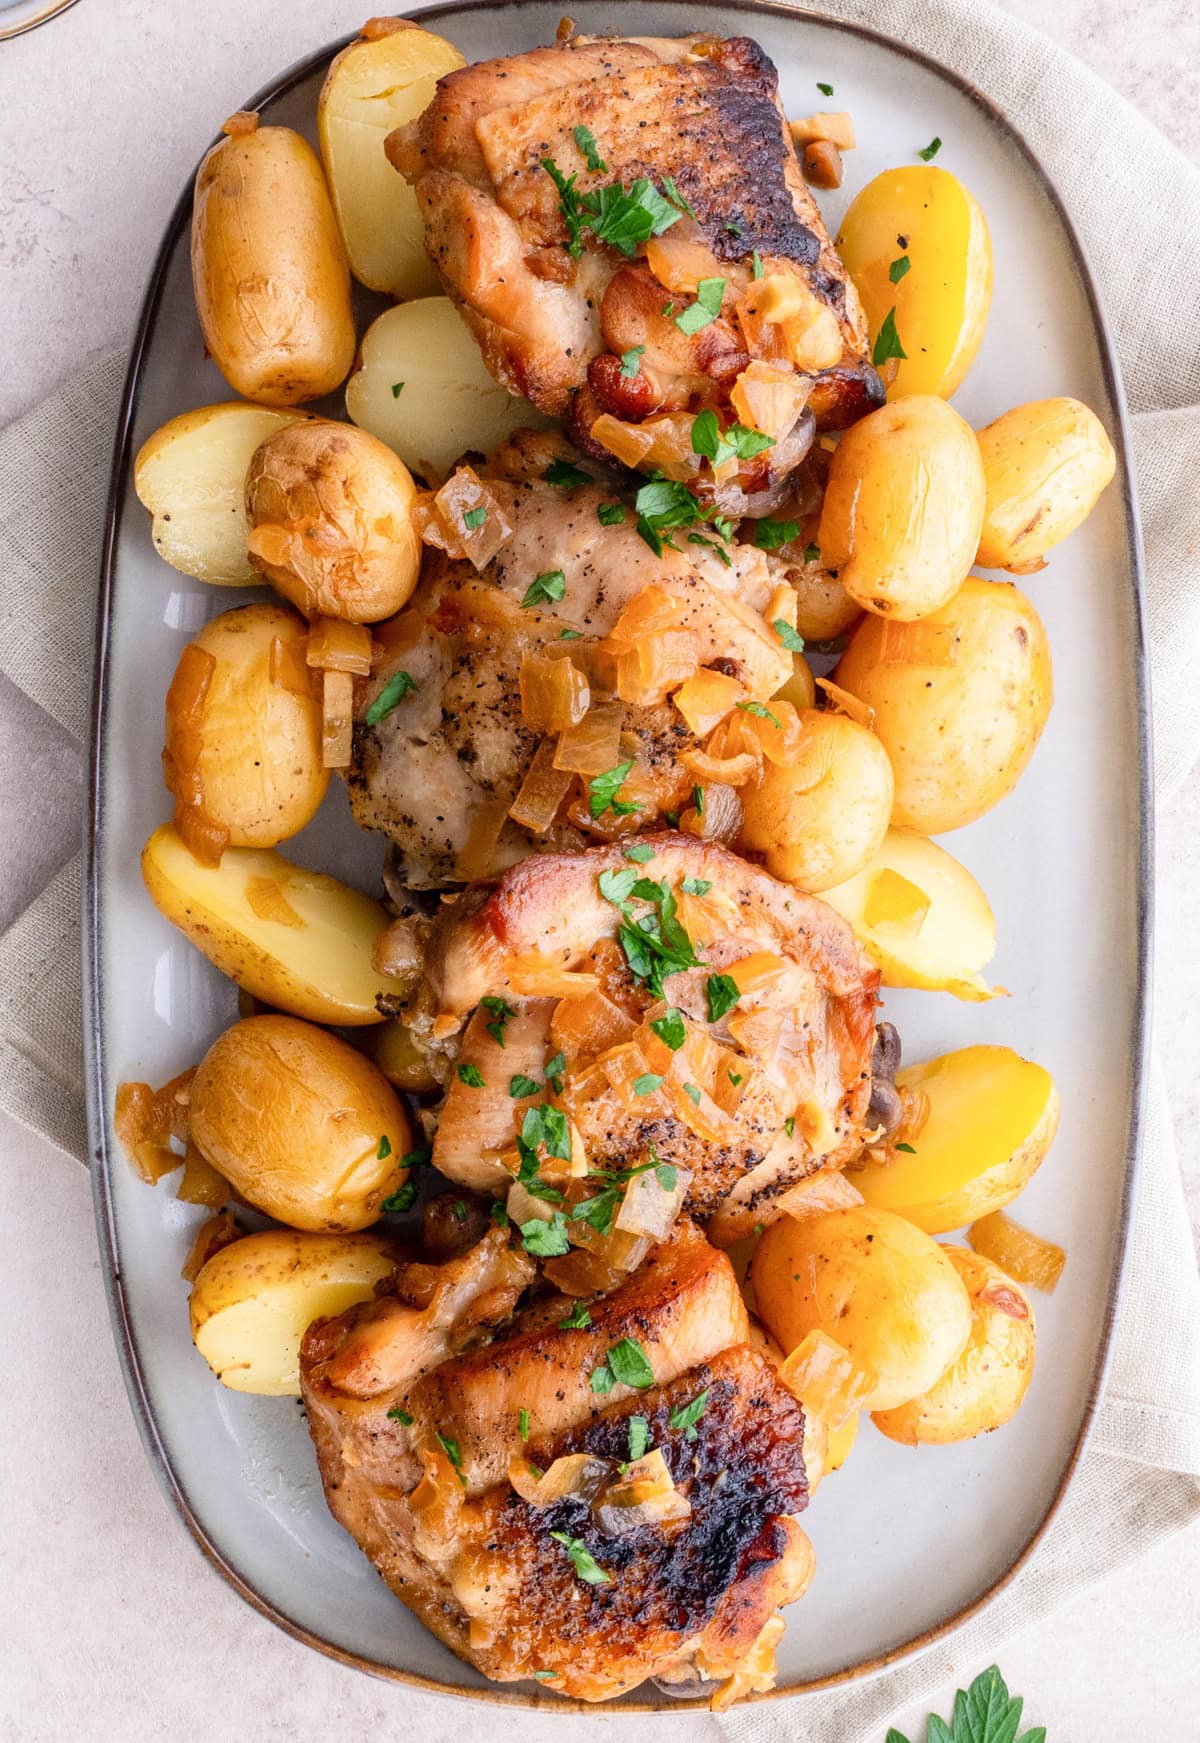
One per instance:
(269, 269)
(874, 1283)
(372, 87)
(992, 1117)
(191, 475)
(253, 1301)
(1046, 464)
(941, 302)
(447, 402)
(903, 507)
(960, 717)
(310, 957)
(921, 917)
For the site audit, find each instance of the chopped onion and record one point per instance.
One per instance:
(648, 1207)
(575, 1475)
(649, 671)
(707, 697)
(755, 1673)
(219, 1231)
(592, 744)
(554, 693)
(337, 719)
(644, 1494)
(450, 520)
(587, 1024)
(649, 612)
(769, 398)
(919, 643)
(147, 1119)
(533, 975)
(822, 1375)
(523, 1207)
(847, 704)
(762, 972)
(201, 1183)
(397, 951)
(663, 442)
(436, 1505)
(337, 646)
(778, 735)
(679, 262)
(719, 821)
(583, 1273)
(204, 839)
(542, 791)
(731, 771)
(827, 1189)
(1025, 1256)
(624, 1066)
(476, 859)
(836, 126)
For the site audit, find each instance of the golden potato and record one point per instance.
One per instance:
(268, 266)
(824, 610)
(921, 917)
(330, 512)
(876, 1284)
(960, 700)
(411, 1067)
(1046, 464)
(989, 1120)
(818, 819)
(423, 388)
(388, 76)
(191, 475)
(297, 940)
(982, 1389)
(299, 1123)
(242, 755)
(939, 301)
(903, 507)
(253, 1301)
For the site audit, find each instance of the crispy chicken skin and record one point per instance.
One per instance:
(800, 1050)
(479, 1564)
(698, 115)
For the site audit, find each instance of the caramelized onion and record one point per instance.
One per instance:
(847, 704)
(554, 693)
(201, 1183)
(645, 1494)
(477, 856)
(542, 791)
(218, 1232)
(769, 398)
(821, 1374)
(574, 1476)
(593, 743)
(648, 1207)
(649, 671)
(1025, 1256)
(146, 1120)
(719, 821)
(706, 698)
(337, 646)
(337, 719)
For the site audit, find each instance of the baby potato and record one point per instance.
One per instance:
(876, 1284)
(330, 512)
(253, 1301)
(982, 1389)
(819, 819)
(939, 300)
(243, 753)
(297, 940)
(300, 1123)
(1046, 464)
(960, 700)
(991, 1119)
(423, 388)
(921, 917)
(824, 610)
(388, 76)
(903, 507)
(191, 475)
(268, 266)
(394, 1049)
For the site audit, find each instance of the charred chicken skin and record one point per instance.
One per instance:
(541, 1528)
(625, 227)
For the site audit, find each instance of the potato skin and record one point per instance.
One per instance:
(983, 1388)
(904, 507)
(874, 1282)
(330, 515)
(241, 752)
(268, 267)
(1046, 464)
(959, 721)
(819, 819)
(294, 1119)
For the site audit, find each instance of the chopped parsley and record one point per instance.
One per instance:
(735, 1077)
(551, 585)
(499, 1214)
(665, 503)
(756, 265)
(385, 1148)
(417, 1158)
(460, 1210)
(898, 268)
(569, 635)
(639, 852)
(621, 216)
(630, 1364)
(789, 1125)
(698, 800)
(696, 886)
(587, 1568)
(585, 139)
(397, 389)
(631, 362)
(930, 151)
(671, 1029)
(887, 344)
(770, 534)
(673, 193)
(566, 476)
(554, 1069)
(520, 1085)
(788, 635)
(501, 1011)
(598, 1212)
(721, 993)
(451, 1450)
(402, 1199)
(825, 90)
(647, 1084)
(611, 514)
(398, 1415)
(523, 1424)
(907, 1148)
(688, 1415)
(812, 553)
(577, 1320)
(654, 944)
(717, 445)
(759, 710)
(603, 790)
(545, 1239)
(639, 1438)
(692, 1092)
(471, 1076)
(392, 694)
(545, 1128)
(473, 518)
(547, 1675)
(703, 312)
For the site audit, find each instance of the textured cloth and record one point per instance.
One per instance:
(1135, 201)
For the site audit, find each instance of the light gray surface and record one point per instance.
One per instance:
(119, 1629)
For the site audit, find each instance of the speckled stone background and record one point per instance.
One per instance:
(110, 1625)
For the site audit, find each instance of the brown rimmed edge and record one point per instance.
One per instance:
(21, 26)
(93, 829)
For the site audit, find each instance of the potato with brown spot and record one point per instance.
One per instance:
(1046, 465)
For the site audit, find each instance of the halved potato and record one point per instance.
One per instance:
(921, 917)
(191, 475)
(991, 1117)
(254, 1300)
(423, 388)
(385, 78)
(298, 940)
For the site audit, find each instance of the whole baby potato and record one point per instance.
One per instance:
(960, 700)
(876, 1284)
(299, 1123)
(819, 818)
(982, 1389)
(242, 754)
(269, 268)
(1046, 464)
(331, 521)
(904, 507)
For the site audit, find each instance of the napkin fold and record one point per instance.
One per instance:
(1136, 202)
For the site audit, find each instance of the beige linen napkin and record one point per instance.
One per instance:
(1137, 204)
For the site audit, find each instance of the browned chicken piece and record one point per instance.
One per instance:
(623, 1552)
(439, 773)
(691, 1009)
(626, 229)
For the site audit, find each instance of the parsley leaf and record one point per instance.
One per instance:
(639, 1437)
(568, 205)
(397, 389)
(392, 694)
(789, 1125)
(523, 1424)
(812, 553)
(759, 710)
(907, 1148)
(707, 306)
(398, 1415)
(984, 1713)
(545, 1239)
(630, 1364)
(791, 638)
(625, 217)
(825, 90)
(566, 476)
(887, 344)
(721, 993)
(638, 851)
(603, 790)
(898, 268)
(598, 1212)
(554, 1069)
(501, 1010)
(569, 635)
(402, 1199)
(521, 1086)
(471, 1076)
(688, 1415)
(546, 1128)
(585, 139)
(671, 1028)
(417, 1158)
(452, 1452)
(770, 534)
(473, 518)
(928, 152)
(551, 585)
(385, 1148)
(696, 886)
(631, 363)
(587, 1568)
(717, 445)
(756, 265)
(692, 1091)
(577, 1320)
(674, 194)
(647, 1083)
(611, 514)
(602, 1379)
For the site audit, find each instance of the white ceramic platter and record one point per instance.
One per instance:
(906, 1542)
